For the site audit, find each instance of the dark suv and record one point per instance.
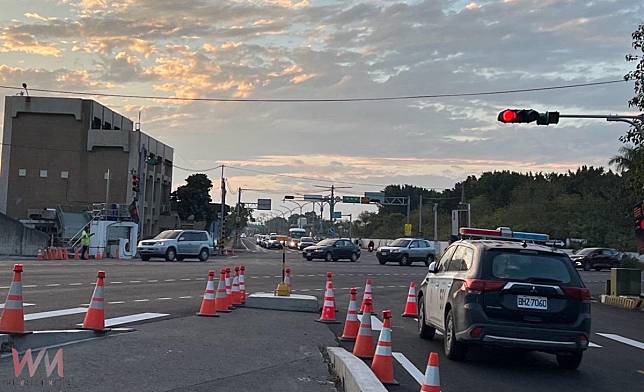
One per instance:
(595, 258)
(332, 249)
(509, 294)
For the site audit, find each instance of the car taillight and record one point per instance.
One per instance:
(578, 293)
(478, 286)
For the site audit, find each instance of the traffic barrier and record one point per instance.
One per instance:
(432, 382)
(368, 294)
(229, 290)
(235, 290)
(13, 315)
(364, 347)
(411, 307)
(328, 309)
(65, 254)
(221, 301)
(95, 316)
(99, 255)
(287, 278)
(383, 360)
(208, 308)
(242, 284)
(352, 324)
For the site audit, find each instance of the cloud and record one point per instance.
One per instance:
(27, 43)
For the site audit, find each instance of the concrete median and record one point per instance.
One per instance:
(356, 376)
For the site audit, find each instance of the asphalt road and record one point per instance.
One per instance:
(134, 287)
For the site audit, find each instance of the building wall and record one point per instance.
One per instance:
(67, 138)
(18, 240)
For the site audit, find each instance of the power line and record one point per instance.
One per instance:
(320, 100)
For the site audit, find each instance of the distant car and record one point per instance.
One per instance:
(273, 242)
(177, 245)
(596, 258)
(243, 235)
(332, 249)
(306, 242)
(405, 251)
(505, 294)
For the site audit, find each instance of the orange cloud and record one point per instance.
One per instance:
(27, 43)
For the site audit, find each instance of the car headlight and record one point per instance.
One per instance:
(161, 243)
(395, 251)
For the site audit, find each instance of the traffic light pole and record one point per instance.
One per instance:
(626, 119)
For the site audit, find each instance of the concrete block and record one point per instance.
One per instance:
(622, 302)
(356, 376)
(294, 303)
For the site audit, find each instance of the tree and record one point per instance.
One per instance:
(193, 199)
(633, 136)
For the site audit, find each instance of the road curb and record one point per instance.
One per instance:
(354, 374)
(40, 339)
(630, 303)
(294, 302)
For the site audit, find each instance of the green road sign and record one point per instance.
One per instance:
(351, 199)
(337, 214)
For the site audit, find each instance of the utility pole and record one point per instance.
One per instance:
(223, 210)
(408, 207)
(237, 218)
(435, 226)
(332, 204)
(420, 216)
(107, 190)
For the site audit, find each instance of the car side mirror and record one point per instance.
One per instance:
(181, 239)
(432, 267)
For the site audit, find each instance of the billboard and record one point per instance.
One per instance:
(264, 204)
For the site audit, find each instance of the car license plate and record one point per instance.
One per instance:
(384, 252)
(529, 302)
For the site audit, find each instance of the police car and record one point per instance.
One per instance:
(501, 288)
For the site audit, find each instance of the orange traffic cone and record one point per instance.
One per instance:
(221, 301)
(235, 290)
(368, 294)
(383, 361)
(13, 317)
(65, 254)
(242, 285)
(432, 382)
(229, 290)
(352, 324)
(328, 310)
(95, 316)
(287, 277)
(41, 254)
(77, 254)
(411, 307)
(364, 342)
(208, 308)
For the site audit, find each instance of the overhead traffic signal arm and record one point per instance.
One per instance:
(509, 116)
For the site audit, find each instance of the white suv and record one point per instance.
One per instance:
(176, 245)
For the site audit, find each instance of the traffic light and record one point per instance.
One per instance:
(154, 160)
(528, 116)
(135, 183)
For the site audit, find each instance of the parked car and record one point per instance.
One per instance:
(507, 294)
(332, 249)
(405, 251)
(177, 245)
(596, 258)
(306, 242)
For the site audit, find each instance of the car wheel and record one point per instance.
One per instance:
(454, 350)
(309, 258)
(404, 260)
(382, 261)
(354, 257)
(428, 260)
(204, 255)
(145, 258)
(424, 330)
(587, 266)
(329, 257)
(170, 254)
(569, 361)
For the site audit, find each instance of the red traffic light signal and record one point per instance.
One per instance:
(509, 116)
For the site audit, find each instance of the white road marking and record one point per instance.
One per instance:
(200, 278)
(376, 324)
(132, 318)
(53, 285)
(152, 281)
(23, 304)
(163, 299)
(54, 313)
(591, 344)
(29, 285)
(115, 282)
(135, 281)
(74, 284)
(142, 300)
(185, 279)
(409, 367)
(116, 302)
(186, 297)
(169, 280)
(624, 340)
(305, 290)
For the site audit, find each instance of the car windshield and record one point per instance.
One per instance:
(273, 237)
(326, 242)
(400, 243)
(529, 266)
(306, 239)
(167, 235)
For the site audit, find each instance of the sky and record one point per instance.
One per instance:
(279, 49)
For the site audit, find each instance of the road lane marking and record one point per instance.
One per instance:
(186, 297)
(591, 344)
(622, 339)
(54, 313)
(142, 300)
(116, 302)
(169, 280)
(152, 281)
(29, 285)
(52, 285)
(74, 284)
(163, 299)
(409, 367)
(115, 282)
(185, 279)
(24, 304)
(376, 324)
(132, 318)
(135, 281)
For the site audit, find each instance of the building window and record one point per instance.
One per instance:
(96, 123)
(64, 174)
(22, 172)
(43, 174)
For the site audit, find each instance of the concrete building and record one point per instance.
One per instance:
(56, 153)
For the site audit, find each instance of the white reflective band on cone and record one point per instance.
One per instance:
(352, 317)
(13, 304)
(385, 335)
(97, 304)
(15, 289)
(328, 302)
(432, 378)
(98, 292)
(365, 331)
(384, 351)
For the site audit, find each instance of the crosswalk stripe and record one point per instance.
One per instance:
(409, 367)
(132, 318)
(54, 313)
(622, 339)
(376, 324)
(23, 304)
